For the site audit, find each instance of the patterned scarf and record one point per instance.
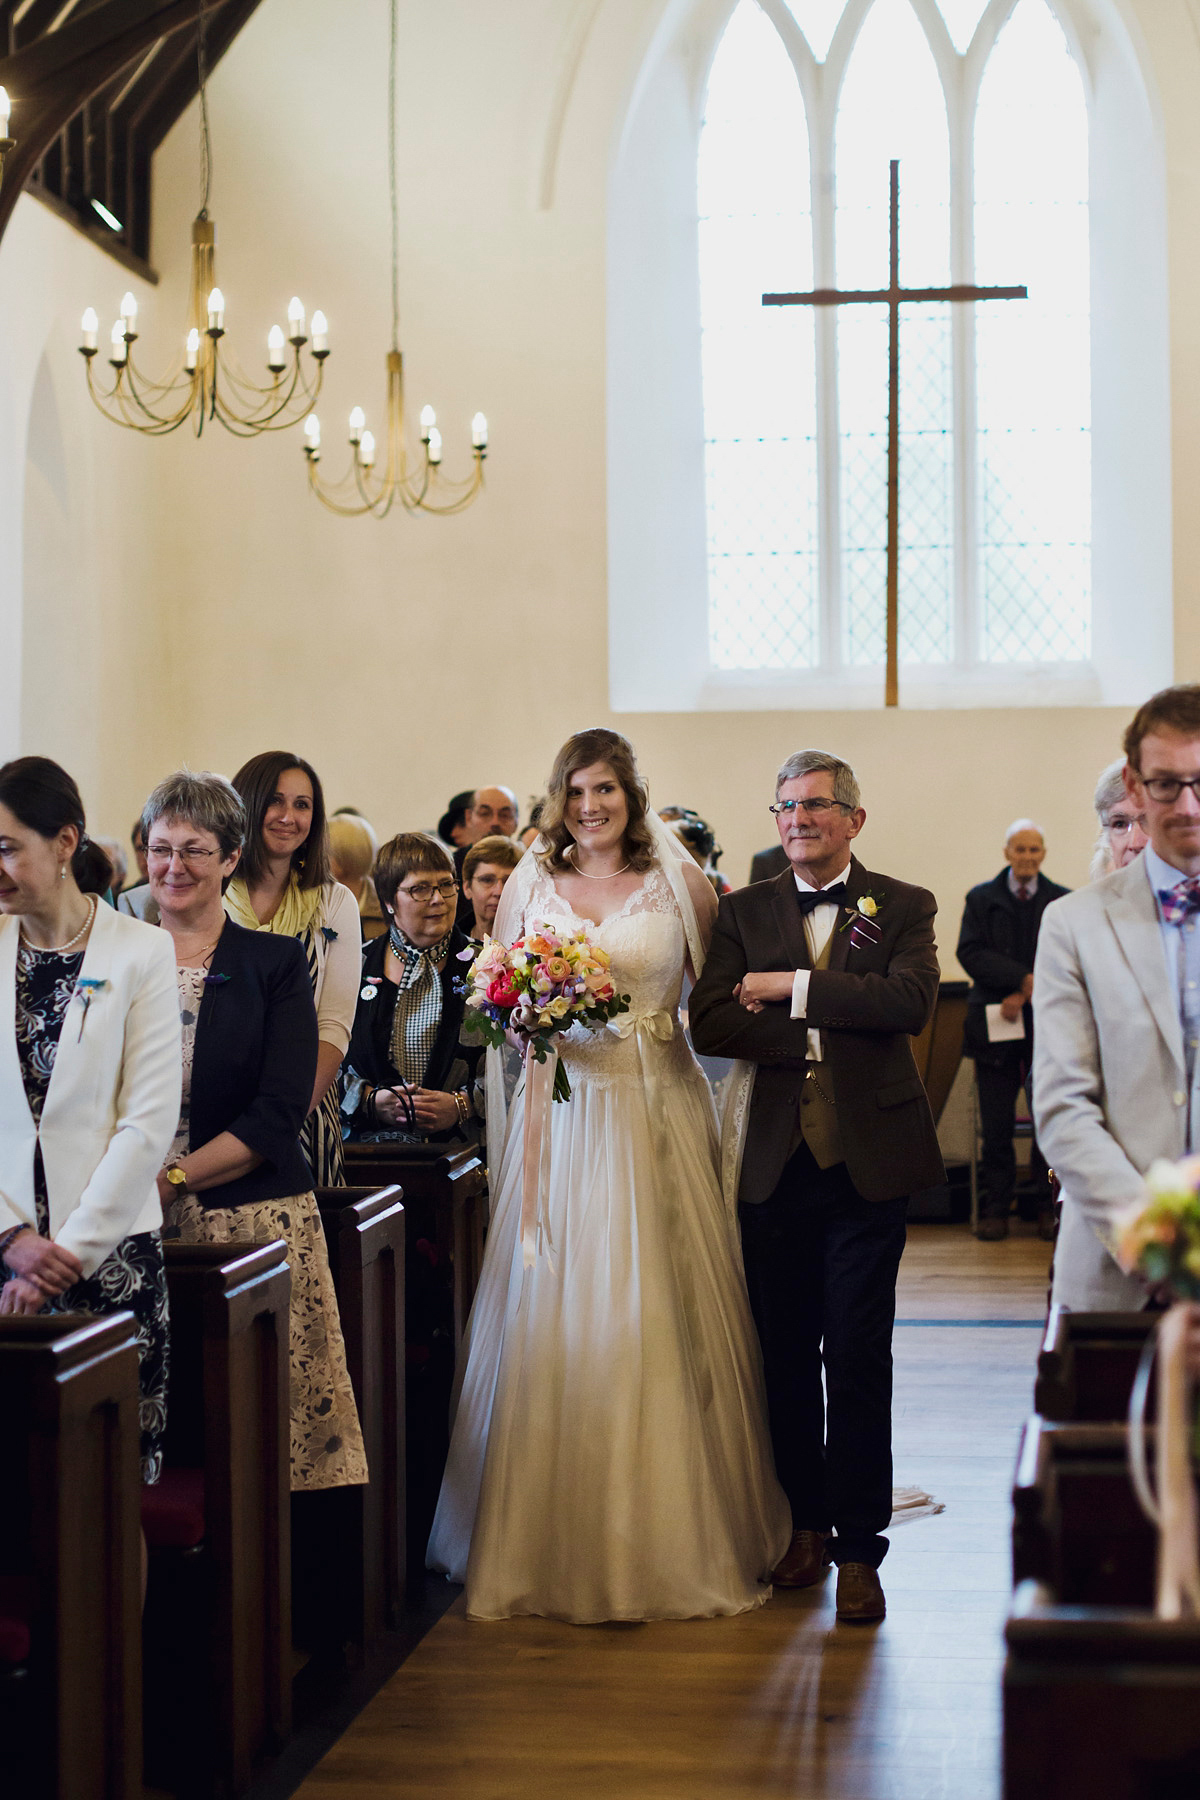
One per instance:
(418, 1004)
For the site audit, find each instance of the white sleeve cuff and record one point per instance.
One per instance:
(800, 993)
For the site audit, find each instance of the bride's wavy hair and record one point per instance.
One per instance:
(579, 752)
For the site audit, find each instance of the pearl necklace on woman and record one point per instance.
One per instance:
(60, 949)
(568, 858)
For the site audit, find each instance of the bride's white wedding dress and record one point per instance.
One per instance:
(610, 1456)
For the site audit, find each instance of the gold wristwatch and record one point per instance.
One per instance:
(177, 1179)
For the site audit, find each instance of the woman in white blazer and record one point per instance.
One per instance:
(90, 1070)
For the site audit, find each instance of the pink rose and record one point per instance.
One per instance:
(501, 992)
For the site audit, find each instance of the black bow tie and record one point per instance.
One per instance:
(830, 896)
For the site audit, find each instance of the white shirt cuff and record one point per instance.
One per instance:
(800, 993)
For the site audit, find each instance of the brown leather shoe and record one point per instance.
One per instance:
(859, 1594)
(804, 1561)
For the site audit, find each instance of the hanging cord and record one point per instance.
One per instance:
(205, 141)
(392, 178)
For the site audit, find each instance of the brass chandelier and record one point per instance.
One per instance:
(206, 382)
(416, 484)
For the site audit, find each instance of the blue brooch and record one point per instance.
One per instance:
(329, 934)
(86, 990)
(215, 980)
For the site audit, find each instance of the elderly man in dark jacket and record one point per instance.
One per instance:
(996, 947)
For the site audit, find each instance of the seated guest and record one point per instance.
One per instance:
(1122, 831)
(700, 841)
(486, 867)
(529, 834)
(491, 813)
(996, 947)
(407, 1075)
(284, 885)
(89, 1093)
(452, 826)
(235, 1173)
(766, 864)
(353, 847)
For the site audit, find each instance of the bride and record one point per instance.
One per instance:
(610, 1456)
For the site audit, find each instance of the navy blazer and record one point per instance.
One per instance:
(255, 1061)
(990, 950)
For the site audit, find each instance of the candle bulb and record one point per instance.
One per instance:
(296, 319)
(320, 334)
(479, 432)
(5, 112)
(358, 419)
(275, 356)
(89, 331)
(129, 312)
(312, 435)
(192, 351)
(435, 445)
(366, 450)
(428, 421)
(119, 351)
(216, 311)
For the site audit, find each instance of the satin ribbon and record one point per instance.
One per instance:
(660, 1025)
(539, 1097)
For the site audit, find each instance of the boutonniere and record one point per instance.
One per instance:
(862, 923)
(329, 934)
(86, 990)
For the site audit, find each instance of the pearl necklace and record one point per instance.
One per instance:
(58, 949)
(575, 866)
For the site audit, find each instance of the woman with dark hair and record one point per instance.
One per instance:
(285, 885)
(610, 1456)
(89, 1082)
(235, 1173)
(407, 1075)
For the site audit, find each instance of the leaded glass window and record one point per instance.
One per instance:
(983, 103)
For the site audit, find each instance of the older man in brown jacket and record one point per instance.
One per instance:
(821, 977)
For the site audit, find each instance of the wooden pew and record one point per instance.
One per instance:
(1100, 1698)
(71, 1583)
(218, 1613)
(1087, 1364)
(445, 1196)
(348, 1544)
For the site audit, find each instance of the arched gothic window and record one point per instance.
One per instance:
(983, 102)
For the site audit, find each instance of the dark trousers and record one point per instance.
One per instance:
(821, 1268)
(998, 1089)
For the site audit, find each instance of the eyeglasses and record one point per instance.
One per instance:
(196, 860)
(420, 891)
(813, 808)
(1121, 826)
(1167, 788)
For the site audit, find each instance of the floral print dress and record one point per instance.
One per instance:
(132, 1277)
(326, 1439)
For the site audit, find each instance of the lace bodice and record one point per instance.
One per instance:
(645, 940)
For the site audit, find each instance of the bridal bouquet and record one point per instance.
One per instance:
(1160, 1239)
(540, 986)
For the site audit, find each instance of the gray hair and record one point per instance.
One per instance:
(817, 762)
(1110, 789)
(1023, 825)
(204, 800)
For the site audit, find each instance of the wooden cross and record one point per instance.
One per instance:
(895, 296)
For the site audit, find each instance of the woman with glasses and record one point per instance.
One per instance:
(235, 1172)
(1122, 829)
(285, 886)
(406, 1073)
(90, 1086)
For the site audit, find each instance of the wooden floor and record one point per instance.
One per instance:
(783, 1701)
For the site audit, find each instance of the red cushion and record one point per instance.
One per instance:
(173, 1510)
(16, 1611)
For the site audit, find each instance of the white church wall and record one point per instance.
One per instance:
(79, 621)
(412, 656)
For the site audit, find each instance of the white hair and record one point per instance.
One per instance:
(1022, 825)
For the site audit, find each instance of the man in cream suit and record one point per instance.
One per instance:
(1116, 1078)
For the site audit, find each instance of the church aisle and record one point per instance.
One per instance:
(782, 1701)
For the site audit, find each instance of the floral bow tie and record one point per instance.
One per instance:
(1179, 903)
